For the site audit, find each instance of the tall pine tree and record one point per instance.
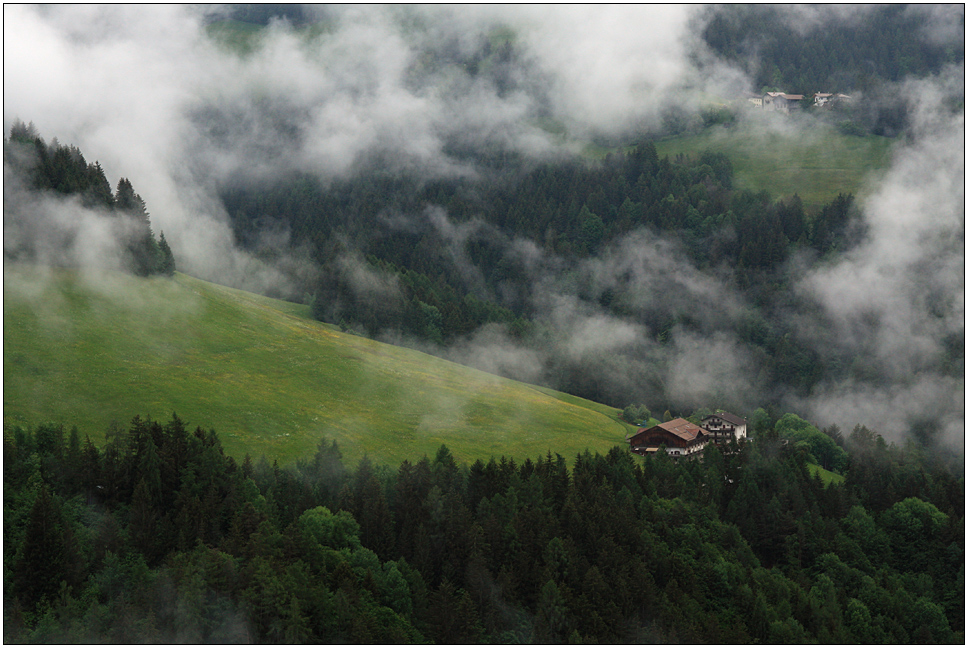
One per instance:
(143, 251)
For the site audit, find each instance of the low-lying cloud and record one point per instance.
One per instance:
(150, 94)
(579, 344)
(892, 301)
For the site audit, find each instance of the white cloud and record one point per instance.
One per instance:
(144, 90)
(895, 297)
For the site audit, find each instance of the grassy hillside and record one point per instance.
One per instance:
(826, 476)
(783, 156)
(84, 349)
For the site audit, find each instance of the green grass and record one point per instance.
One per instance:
(816, 162)
(236, 36)
(826, 476)
(85, 350)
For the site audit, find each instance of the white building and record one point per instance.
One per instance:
(724, 427)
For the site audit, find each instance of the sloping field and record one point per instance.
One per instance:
(785, 156)
(86, 349)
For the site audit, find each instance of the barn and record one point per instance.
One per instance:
(680, 438)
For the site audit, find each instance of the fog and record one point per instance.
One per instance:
(894, 300)
(147, 92)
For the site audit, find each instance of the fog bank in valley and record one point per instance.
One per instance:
(896, 303)
(152, 95)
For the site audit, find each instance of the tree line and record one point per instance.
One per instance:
(440, 289)
(884, 44)
(59, 169)
(159, 536)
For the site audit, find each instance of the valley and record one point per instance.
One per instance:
(585, 324)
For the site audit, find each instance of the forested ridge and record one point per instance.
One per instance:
(61, 170)
(160, 537)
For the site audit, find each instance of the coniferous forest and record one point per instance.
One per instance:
(588, 201)
(40, 168)
(160, 537)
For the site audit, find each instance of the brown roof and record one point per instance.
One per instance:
(790, 97)
(682, 428)
(729, 418)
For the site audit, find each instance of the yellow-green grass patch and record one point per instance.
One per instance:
(86, 349)
(826, 476)
(814, 160)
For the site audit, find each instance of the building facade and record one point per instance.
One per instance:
(724, 427)
(680, 438)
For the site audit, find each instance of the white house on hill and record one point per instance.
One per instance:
(724, 427)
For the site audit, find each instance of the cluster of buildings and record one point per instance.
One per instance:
(682, 438)
(786, 103)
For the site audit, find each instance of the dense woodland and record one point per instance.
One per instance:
(160, 537)
(802, 52)
(866, 55)
(62, 171)
(444, 289)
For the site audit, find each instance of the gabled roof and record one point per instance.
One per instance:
(681, 428)
(729, 418)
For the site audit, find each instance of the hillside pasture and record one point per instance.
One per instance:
(87, 349)
(786, 155)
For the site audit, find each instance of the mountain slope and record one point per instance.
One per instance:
(88, 349)
(783, 156)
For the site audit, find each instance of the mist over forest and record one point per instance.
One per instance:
(437, 177)
(750, 216)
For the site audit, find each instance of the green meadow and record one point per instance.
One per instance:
(87, 349)
(826, 476)
(786, 155)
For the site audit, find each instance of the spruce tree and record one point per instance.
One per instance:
(166, 264)
(48, 553)
(143, 251)
(98, 190)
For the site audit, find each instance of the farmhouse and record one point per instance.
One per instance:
(828, 98)
(724, 427)
(821, 98)
(781, 101)
(680, 437)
